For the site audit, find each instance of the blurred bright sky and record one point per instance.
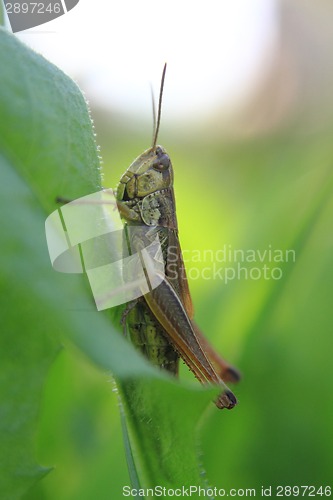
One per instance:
(215, 51)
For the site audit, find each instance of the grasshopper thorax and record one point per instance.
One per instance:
(150, 172)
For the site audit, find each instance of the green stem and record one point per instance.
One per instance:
(166, 453)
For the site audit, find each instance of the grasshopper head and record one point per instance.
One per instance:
(150, 172)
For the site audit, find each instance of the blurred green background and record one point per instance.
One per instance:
(273, 190)
(262, 176)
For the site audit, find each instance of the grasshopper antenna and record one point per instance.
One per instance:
(154, 111)
(157, 126)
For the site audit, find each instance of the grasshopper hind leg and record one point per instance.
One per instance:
(149, 337)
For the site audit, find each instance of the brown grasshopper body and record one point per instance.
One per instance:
(161, 323)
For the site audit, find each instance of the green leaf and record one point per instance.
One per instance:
(27, 345)
(47, 149)
(44, 130)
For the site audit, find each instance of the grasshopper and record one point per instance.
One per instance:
(160, 323)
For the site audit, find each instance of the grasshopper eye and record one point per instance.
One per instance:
(162, 161)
